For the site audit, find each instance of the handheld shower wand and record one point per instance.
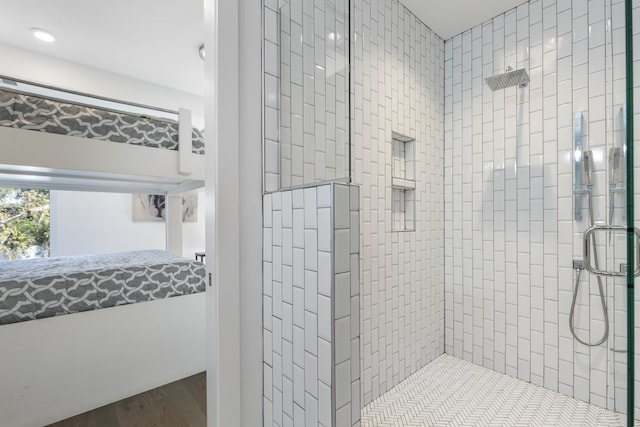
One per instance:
(616, 158)
(588, 182)
(588, 168)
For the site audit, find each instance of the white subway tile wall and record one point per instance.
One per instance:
(398, 86)
(510, 237)
(311, 313)
(306, 92)
(497, 165)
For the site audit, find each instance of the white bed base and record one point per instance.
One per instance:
(61, 162)
(55, 368)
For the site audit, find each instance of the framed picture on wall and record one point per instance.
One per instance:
(151, 207)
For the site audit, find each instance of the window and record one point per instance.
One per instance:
(24, 223)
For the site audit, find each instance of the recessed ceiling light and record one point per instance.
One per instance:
(43, 35)
(201, 51)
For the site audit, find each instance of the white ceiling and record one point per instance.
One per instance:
(157, 40)
(448, 18)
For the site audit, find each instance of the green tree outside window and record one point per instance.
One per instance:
(24, 223)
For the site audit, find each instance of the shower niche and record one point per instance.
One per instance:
(403, 183)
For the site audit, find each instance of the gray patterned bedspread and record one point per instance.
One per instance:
(45, 287)
(46, 115)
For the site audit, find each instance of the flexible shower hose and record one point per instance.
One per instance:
(576, 289)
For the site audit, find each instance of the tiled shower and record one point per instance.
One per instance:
(466, 221)
(510, 231)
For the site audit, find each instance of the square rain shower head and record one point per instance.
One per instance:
(508, 79)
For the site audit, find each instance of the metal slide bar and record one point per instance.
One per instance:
(578, 160)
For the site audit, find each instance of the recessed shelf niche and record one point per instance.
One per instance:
(403, 183)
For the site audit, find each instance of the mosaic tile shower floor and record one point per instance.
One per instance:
(453, 392)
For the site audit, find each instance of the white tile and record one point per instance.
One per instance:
(342, 299)
(355, 274)
(298, 228)
(287, 397)
(342, 344)
(267, 412)
(387, 409)
(324, 273)
(311, 249)
(277, 380)
(267, 381)
(287, 358)
(298, 307)
(324, 405)
(298, 387)
(355, 356)
(311, 374)
(311, 333)
(267, 211)
(266, 312)
(342, 251)
(325, 319)
(355, 232)
(355, 316)
(355, 402)
(271, 62)
(298, 267)
(267, 347)
(354, 194)
(310, 208)
(287, 246)
(343, 416)
(267, 244)
(324, 229)
(287, 209)
(298, 412)
(298, 198)
(276, 254)
(277, 337)
(343, 384)
(311, 410)
(341, 206)
(277, 300)
(324, 196)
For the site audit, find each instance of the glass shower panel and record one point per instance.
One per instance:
(627, 152)
(601, 181)
(314, 131)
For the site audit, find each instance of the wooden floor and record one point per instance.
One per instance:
(178, 404)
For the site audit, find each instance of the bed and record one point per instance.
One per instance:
(78, 333)
(84, 331)
(45, 287)
(38, 113)
(59, 139)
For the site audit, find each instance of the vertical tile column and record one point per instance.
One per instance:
(311, 304)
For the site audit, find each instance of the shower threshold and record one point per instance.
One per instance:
(453, 392)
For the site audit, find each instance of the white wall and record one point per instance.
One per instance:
(90, 223)
(61, 366)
